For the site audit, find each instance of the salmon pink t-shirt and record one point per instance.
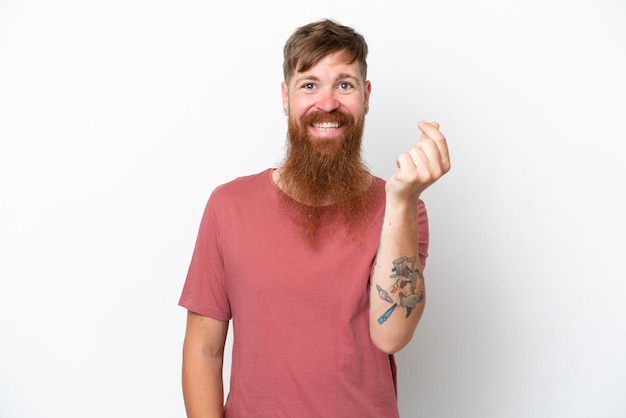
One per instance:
(300, 320)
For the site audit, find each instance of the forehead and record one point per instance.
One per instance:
(336, 62)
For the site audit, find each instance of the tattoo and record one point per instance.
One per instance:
(406, 274)
(387, 314)
(383, 294)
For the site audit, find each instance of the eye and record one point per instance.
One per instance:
(344, 85)
(308, 86)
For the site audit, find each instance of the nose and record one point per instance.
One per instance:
(327, 101)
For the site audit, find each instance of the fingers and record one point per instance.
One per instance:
(431, 130)
(422, 165)
(418, 162)
(426, 154)
(408, 161)
(434, 144)
(435, 124)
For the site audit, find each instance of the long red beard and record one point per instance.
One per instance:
(324, 178)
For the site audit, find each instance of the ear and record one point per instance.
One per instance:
(368, 90)
(285, 93)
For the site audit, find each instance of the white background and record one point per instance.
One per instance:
(117, 119)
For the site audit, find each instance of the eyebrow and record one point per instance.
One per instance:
(340, 77)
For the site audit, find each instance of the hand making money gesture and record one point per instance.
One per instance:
(421, 166)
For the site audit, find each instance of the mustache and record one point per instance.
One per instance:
(334, 116)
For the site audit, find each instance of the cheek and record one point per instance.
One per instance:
(352, 103)
(300, 106)
(355, 110)
(299, 111)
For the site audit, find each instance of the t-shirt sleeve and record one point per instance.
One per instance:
(422, 231)
(205, 290)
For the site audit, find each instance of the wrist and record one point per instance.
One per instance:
(401, 204)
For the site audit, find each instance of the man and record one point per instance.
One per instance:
(317, 263)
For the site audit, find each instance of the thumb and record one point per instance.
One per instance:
(423, 123)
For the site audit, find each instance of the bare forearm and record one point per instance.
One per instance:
(397, 292)
(203, 388)
(203, 358)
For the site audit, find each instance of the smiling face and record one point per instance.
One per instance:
(323, 166)
(328, 100)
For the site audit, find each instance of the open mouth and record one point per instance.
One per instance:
(326, 126)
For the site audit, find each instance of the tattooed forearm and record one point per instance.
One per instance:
(405, 274)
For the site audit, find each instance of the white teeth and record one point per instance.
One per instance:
(326, 126)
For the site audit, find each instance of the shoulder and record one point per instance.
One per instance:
(378, 185)
(244, 185)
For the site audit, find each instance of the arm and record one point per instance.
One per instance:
(203, 355)
(397, 293)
